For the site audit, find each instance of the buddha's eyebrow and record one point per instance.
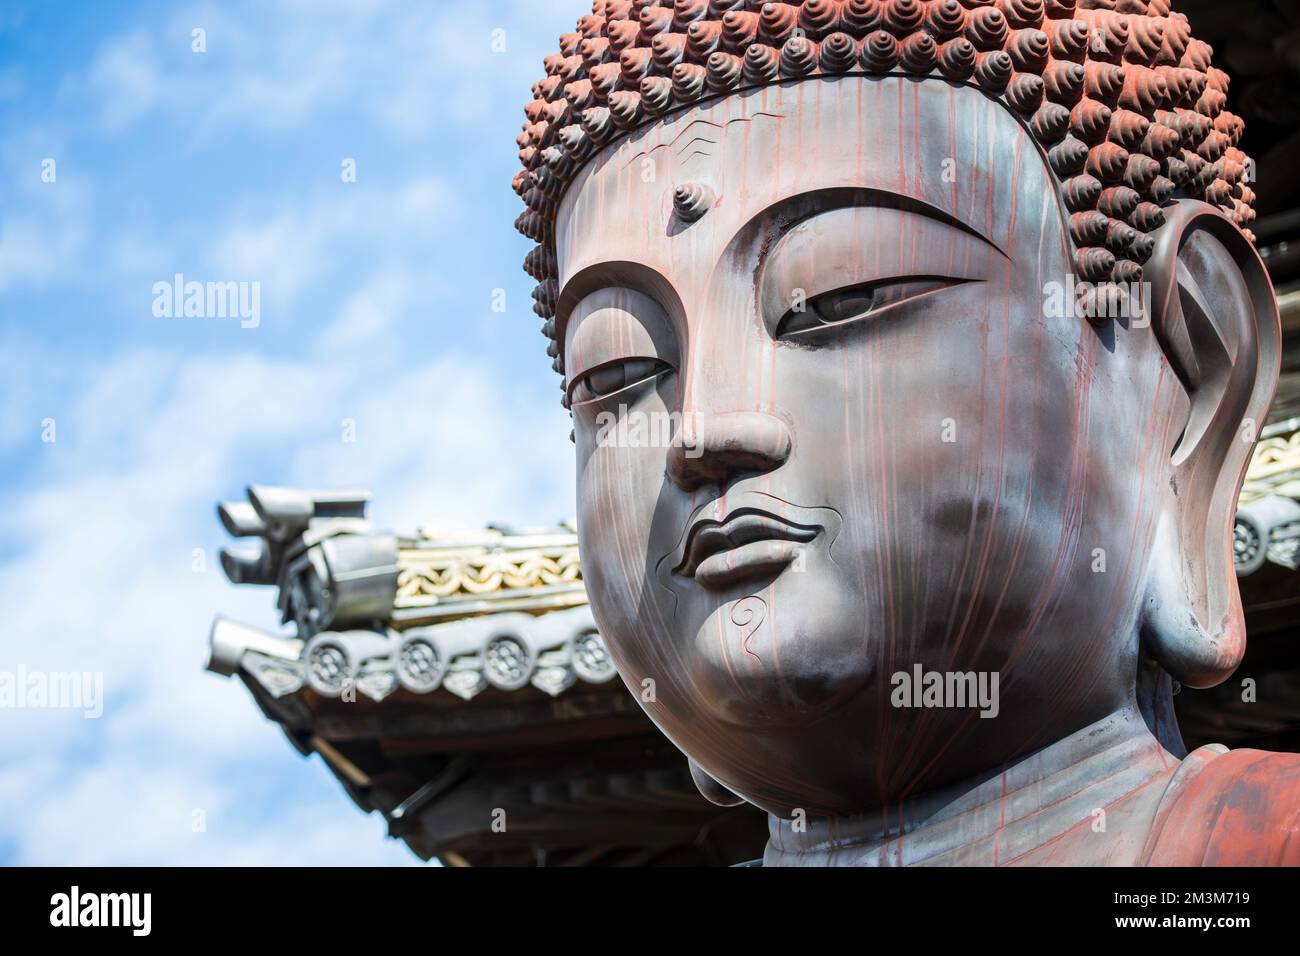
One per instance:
(850, 196)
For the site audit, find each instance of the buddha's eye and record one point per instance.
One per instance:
(614, 377)
(858, 302)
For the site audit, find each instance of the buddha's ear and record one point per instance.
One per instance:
(1215, 315)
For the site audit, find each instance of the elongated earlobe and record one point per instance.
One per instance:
(1195, 651)
(711, 790)
(1215, 315)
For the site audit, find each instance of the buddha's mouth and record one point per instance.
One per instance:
(744, 544)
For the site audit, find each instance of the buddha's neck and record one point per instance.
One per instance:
(1088, 798)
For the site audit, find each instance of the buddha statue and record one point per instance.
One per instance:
(953, 313)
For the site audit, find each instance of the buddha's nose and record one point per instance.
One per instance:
(718, 448)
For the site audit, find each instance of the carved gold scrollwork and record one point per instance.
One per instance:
(427, 573)
(1275, 468)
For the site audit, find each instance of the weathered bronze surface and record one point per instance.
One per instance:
(843, 440)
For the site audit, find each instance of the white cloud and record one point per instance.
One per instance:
(279, 66)
(84, 822)
(302, 239)
(128, 79)
(46, 230)
(103, 581)
(273, 72)
(101, 527)
(368, 315)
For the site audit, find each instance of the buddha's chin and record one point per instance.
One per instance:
(786, 655)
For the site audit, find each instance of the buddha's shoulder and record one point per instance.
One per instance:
(1229, 808)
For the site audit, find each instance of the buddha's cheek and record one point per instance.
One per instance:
(973, 511)
(622, 527)
(784, 653)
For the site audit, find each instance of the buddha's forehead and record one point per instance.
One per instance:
(940, 143)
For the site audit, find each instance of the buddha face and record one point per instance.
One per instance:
(833, 423)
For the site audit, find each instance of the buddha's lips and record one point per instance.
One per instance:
(749, 540)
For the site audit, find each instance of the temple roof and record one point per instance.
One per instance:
(442, 676)
(427, 613)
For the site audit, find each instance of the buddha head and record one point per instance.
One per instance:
(899, 337)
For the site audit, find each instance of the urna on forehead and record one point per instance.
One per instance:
(1118, 93)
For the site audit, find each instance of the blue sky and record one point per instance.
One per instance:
(376, 308)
